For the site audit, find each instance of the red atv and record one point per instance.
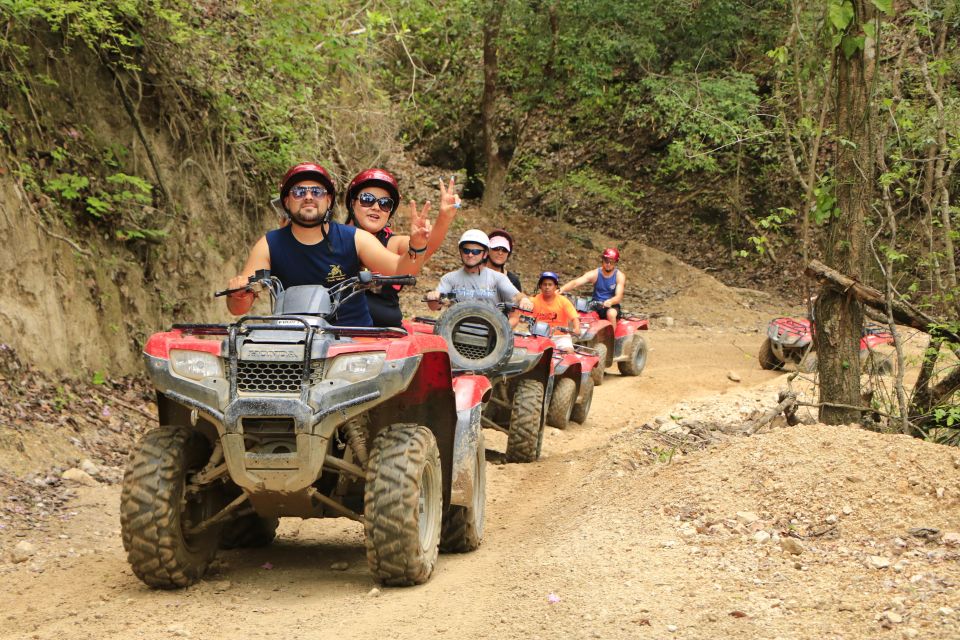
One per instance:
(572, 385)
(621, 344)
(519, 367)
(791, 340)
(285, 415)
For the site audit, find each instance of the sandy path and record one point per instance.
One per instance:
(571, 526)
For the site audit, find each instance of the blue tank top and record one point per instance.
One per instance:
(604, 288)
(327, 263)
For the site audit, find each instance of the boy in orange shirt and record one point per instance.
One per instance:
(554, 309)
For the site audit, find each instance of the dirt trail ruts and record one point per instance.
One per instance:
(575, 546)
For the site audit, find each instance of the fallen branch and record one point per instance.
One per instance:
(787, 406)
(70, 242)
(127, 405)
(903, 313)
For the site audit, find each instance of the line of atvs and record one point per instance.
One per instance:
(285, 415)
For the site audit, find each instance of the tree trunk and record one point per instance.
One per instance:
(839, 316)
(496, 169)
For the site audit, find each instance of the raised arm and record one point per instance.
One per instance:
(378, 258)
(239, 303)
(449, 204)
(589, 277)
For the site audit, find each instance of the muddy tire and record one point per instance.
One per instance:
(403, 505)
(462, 529)
(155, 510)
(524, 439)
(582, 409)
(597, 372)
(634, 365)
(478, 336)
(561, 403)
(249, 532)
(767, 360)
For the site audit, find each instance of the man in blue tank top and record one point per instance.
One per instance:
(608, 284)
(313, 249)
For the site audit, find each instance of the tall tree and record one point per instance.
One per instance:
(839, 317)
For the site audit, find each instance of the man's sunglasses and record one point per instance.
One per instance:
(299, 193)
(471, 252)
(367, 200)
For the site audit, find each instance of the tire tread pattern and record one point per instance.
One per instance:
(150, 518)
(391, 505)
(523, 441)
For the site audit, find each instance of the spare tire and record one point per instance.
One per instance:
(478, 335)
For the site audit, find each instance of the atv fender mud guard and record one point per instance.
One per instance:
(471, 394)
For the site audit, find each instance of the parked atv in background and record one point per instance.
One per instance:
(573, 384)
(285, 415)
(518, 366)
(621, 344)
(790, 340)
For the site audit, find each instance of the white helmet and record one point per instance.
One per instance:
(475, 236)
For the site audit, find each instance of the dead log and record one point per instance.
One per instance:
(903, 313)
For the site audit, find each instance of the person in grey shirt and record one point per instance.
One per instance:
(474, 282)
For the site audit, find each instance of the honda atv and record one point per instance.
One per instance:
(621, 344)
(572, 392)
(791, 340)
(519, 367)
(285, 415)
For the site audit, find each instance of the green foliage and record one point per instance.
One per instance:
(67, 185)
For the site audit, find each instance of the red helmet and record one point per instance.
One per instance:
(374, 177)
(503, 234)
(307, 171)
(611, 254)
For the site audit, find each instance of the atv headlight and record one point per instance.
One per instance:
(519, 353)
(356, 367)
(195, 365)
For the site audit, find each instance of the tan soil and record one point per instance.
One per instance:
(597, 540)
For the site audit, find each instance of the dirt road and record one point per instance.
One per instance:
(597, 540)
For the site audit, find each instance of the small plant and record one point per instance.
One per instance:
(664, 455)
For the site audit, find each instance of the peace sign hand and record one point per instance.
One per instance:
(420, 226)
(449, 200)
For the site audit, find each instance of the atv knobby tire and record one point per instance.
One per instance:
(462, 529)
(478, 336)
(403, 505)
(597, 372)
(582, 409)
(767, 360)
(561, 403)
(634, 365)
(523, 441)
(155, 509)
(249, 532)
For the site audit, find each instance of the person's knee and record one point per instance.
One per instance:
(612, 315)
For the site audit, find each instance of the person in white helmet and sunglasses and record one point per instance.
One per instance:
(474, 282)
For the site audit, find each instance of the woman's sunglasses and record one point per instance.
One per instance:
(367, 200)
(299, 193)
(471, 252)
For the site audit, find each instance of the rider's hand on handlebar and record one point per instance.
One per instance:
(526, 304)
(240, 282)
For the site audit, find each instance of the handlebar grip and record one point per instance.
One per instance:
(407, 281)
(227, 292)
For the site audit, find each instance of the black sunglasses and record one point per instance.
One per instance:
(471, 252)
(299, 193)
(367, 199)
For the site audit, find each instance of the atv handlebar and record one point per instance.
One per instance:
(260, 280)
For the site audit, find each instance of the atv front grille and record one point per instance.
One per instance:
(474, 340)
(274, 377)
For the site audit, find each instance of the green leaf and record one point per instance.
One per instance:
(871, 30)
(851, 44)
(841, 14)
(885, 6)
(99, 377)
